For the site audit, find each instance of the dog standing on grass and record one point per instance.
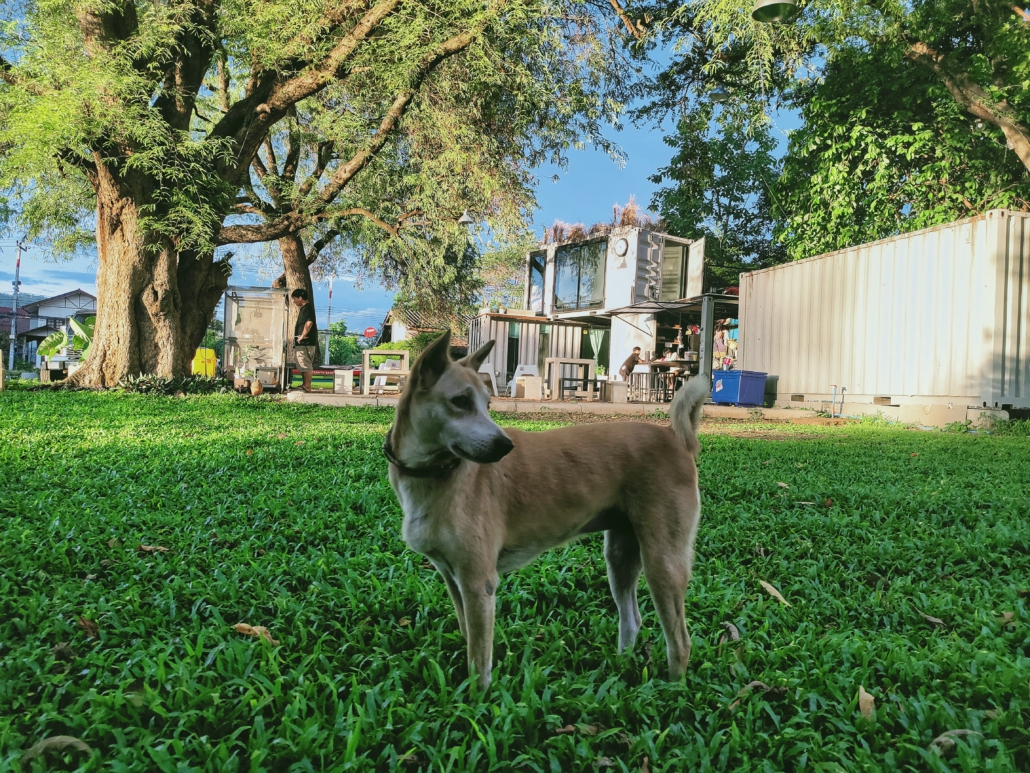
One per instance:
(480, 501)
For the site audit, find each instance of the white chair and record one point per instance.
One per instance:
(520, 371)
(487, 369)
(388, 365)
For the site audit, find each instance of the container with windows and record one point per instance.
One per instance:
(625, 266)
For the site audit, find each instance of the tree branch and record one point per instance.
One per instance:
(1021, 12)
(303, 216)
(975, 99)
(638, 34)
(267, 100)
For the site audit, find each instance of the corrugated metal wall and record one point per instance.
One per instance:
(562, 340)
(940, 313)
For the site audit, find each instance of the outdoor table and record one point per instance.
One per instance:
(589, 388)
(553, 367)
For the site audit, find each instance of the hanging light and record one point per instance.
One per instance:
(465, 219)
(719, 94)
(774, 11)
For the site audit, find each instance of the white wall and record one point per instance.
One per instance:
(629, 330)
(398, 331)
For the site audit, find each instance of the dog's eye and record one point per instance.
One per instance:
(464, 402)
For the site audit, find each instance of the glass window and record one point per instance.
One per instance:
(536, 281)
(592, 258)
(579, 275)
(672, 273)
(566, 277)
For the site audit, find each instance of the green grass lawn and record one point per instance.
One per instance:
(280, 515)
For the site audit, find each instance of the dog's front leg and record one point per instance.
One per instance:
(455, 593)
(478, 595)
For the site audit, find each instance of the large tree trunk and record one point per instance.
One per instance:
(296, 273)
(148, 319)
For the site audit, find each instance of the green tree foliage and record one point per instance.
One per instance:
(502, 273)
(885, 149)
(146, 118)
(717, 187)
(343, 347)
(914, 112)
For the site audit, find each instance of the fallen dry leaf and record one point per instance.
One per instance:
(759, 550)
(91, 628)
(63, 651)
(55, 743)
(256, 630)
(403, 622)
(1006, 617)
(604, 762)
(866, 703)
(935, 620)
(945, 742)
(992, 713)
(282, 435)
(250, 452)
(410, 758)
(567, 730)
(153, 549)
(774, 593)
(90, 577)
(587, 729)
(734, 704)
(299, 443)
(768, 461)
(114, 542)
(915, 454)
(644, 767)
(731, 631)
(828, 503)
(751, 687)
(804, 503)
(781, 484)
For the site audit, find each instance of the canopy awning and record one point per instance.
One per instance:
(725, 306)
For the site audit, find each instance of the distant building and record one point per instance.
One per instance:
(51, 314)
(402, 324)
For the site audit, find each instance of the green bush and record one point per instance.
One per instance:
(414, 345)
(149, 384)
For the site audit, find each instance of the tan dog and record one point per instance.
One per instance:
(479, 501)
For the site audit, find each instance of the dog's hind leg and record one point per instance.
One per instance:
(622, 554)
(667, 554)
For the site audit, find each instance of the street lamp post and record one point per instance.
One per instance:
(329, 322)
(14, 310)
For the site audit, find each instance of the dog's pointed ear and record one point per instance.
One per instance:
(478, 357)
(433, 361)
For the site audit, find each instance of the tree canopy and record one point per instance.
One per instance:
(391, 117)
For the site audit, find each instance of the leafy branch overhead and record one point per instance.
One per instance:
(178, 127)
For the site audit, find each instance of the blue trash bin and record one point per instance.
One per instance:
(738, 387)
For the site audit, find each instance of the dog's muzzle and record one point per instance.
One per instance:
(488, 451)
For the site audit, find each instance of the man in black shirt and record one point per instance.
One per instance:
(305, 337)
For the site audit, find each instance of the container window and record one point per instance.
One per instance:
(536, 281)
(579, 275)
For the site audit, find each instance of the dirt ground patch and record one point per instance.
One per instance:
(766, 429)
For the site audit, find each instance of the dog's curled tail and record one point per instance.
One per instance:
(685, 412)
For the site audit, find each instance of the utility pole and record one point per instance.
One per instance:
(329, 322)
(14, 311)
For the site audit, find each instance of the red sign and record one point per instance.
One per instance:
(371, 332)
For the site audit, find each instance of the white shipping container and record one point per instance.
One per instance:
(937, 316)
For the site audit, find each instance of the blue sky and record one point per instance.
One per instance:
(585, 192)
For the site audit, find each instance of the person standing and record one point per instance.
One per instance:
(631, 362)
(305, 337)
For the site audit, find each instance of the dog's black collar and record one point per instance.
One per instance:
(441, 470)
